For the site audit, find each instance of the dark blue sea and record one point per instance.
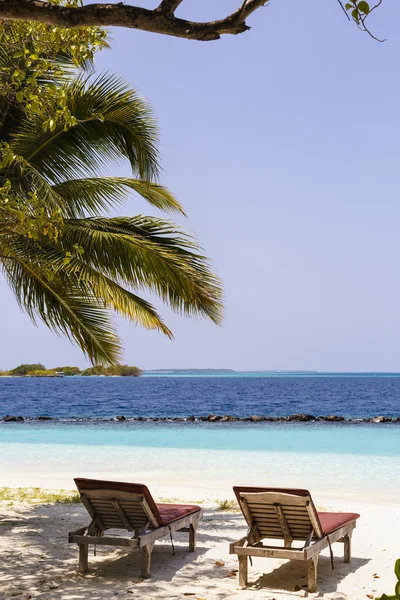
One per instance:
(198, 394)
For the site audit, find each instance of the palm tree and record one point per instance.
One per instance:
(84, 264)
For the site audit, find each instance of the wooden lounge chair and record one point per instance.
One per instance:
(129, 506)
(289, 515)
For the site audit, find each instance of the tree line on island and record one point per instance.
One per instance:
(39, 370)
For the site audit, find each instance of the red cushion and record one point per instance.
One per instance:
(331, 521)
(172, 512)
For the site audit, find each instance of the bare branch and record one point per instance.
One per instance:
(160, 20)
(344, 10)
(168, 7)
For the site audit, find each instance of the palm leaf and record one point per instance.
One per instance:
(90, 196)
(149, 253)
(62, 306)
(91, 282)
(115, 123)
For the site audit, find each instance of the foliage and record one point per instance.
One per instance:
(96, 370)
(359, 11)
(127, 371)
(35, 57)
(396, 595)
(68, 371)
(38, 370)
(42, 373)
(228, 505)
(66, 262)
(26, 368)
(120, 370)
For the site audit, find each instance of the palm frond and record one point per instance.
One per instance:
(92, 282)
(97, 265)
(114, 123)
(65, 308)
(90, 196)
(149, 253)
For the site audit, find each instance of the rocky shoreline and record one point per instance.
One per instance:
(211, 418)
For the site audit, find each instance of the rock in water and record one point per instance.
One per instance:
(300, 417)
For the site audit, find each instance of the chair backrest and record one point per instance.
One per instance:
(118, 505)
(279, 513)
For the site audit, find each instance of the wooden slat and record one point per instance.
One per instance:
(298, 532)
(104, 540)
(289, 517)
(239, 542)
(312, 513)
(282, 498)
(108, 506)
(122, 515)
(107, 494)
(271, 552)
(306, 527)
(149, 513)
(92, 512)
(259, 509)
(278, 535)
(270, 506)
(293, 526)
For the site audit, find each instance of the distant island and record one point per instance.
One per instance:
(189, 371)
(39, 370)
(283, 372)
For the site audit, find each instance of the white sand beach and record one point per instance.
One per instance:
(37, 561)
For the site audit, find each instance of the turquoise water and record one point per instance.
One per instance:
(362, 439)
(344, 460)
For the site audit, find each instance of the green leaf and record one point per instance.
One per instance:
(397, 589)
(397, 568)
(92, 195)
(348, 6)
(19, 96)
(355, 14)
(363, 7)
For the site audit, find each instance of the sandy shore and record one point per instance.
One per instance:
(37, 561)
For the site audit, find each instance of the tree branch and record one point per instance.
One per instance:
(168, 7)
(160, 20)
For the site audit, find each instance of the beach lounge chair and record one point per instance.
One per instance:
(129, 506)
(289, 515)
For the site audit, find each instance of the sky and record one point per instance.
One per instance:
(283, 145)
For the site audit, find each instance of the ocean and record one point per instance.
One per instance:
(239, 394)
(333, 459)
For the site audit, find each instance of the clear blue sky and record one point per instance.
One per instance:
(283, 145)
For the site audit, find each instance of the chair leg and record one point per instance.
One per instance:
(347, 548)
(83, 558)
(312, 574)
(192, 537)
(146, 560)
(243, 570)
